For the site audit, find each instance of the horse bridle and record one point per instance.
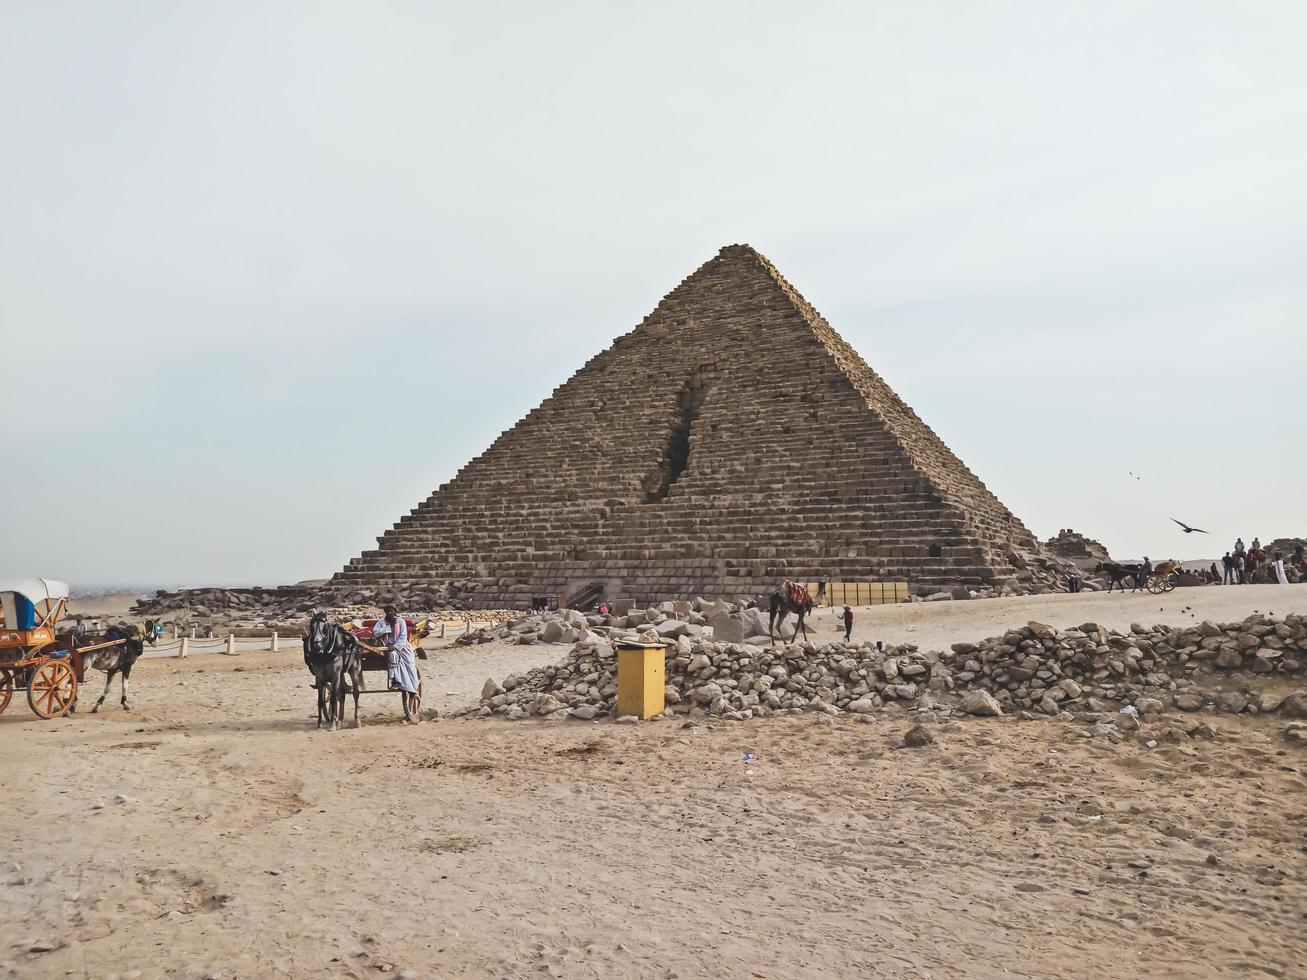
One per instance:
(325, 649)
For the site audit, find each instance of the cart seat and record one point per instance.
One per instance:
(17, 611)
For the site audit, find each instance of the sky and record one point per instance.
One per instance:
(270, 272)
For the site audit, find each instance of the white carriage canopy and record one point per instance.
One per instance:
(23, 602)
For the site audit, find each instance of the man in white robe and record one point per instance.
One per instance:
(401, 664)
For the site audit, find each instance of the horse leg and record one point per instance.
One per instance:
(127, 671)
(341, 693)
(358, 684)
(108, 679)
(322, 693)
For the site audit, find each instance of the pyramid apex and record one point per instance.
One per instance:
(740, 248)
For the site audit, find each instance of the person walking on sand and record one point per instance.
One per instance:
(848, 623)
(1278, 565)
(1228, 564)
(401, 665)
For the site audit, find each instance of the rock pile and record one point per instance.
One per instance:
(1074, 546)
(1038, 572)
(738, 622)
(289, 602)
(1037, 669)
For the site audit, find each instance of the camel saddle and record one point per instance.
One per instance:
(796, 594)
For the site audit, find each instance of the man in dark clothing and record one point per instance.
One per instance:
(848, 623)
(1145, 572)
(1228, 564)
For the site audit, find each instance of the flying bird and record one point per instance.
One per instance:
(1131, 473)
(1190, 530)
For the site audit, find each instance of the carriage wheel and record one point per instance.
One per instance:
(52, 689)
(6, 687)
(1156, 585)
(1168, 583)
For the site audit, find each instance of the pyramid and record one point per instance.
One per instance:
(733, 439)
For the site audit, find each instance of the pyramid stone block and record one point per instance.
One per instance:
(731, 440)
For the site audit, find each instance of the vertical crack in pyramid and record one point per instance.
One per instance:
(730, 440)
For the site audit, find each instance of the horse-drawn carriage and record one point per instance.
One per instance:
(1164, 576)
(373, 649)
(36, 656)
(338, 653)
(31, 657)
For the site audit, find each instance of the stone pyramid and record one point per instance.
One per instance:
(731, 440)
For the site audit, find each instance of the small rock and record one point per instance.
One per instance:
(981, 703)
(917, 736)
(1294, 705)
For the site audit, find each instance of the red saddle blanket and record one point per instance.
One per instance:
(796, 594)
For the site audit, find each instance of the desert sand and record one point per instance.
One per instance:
(211, 831)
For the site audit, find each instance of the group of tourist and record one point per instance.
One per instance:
(1244, 564)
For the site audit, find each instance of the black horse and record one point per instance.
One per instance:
(1117, 572)
(116, 659)
(332, 654)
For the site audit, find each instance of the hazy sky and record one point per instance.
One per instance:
(1073, 236)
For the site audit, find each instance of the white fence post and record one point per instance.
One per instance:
(231, 645)
(183, 651)
(276, 642)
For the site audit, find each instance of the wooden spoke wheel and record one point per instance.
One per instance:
(1156, 584)
(6, 687)
(1168, 583)
(52, 689)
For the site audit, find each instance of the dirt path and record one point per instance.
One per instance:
(212, 831)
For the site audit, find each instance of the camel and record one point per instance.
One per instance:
(790, 598)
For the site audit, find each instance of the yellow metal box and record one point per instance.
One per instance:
(641, 678)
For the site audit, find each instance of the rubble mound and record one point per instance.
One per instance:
(288, 602)
(1075, 546)
(741, 621)
(1037, 669)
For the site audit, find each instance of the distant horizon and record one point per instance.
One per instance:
(93, 589)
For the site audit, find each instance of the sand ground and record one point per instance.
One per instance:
(211, 831)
